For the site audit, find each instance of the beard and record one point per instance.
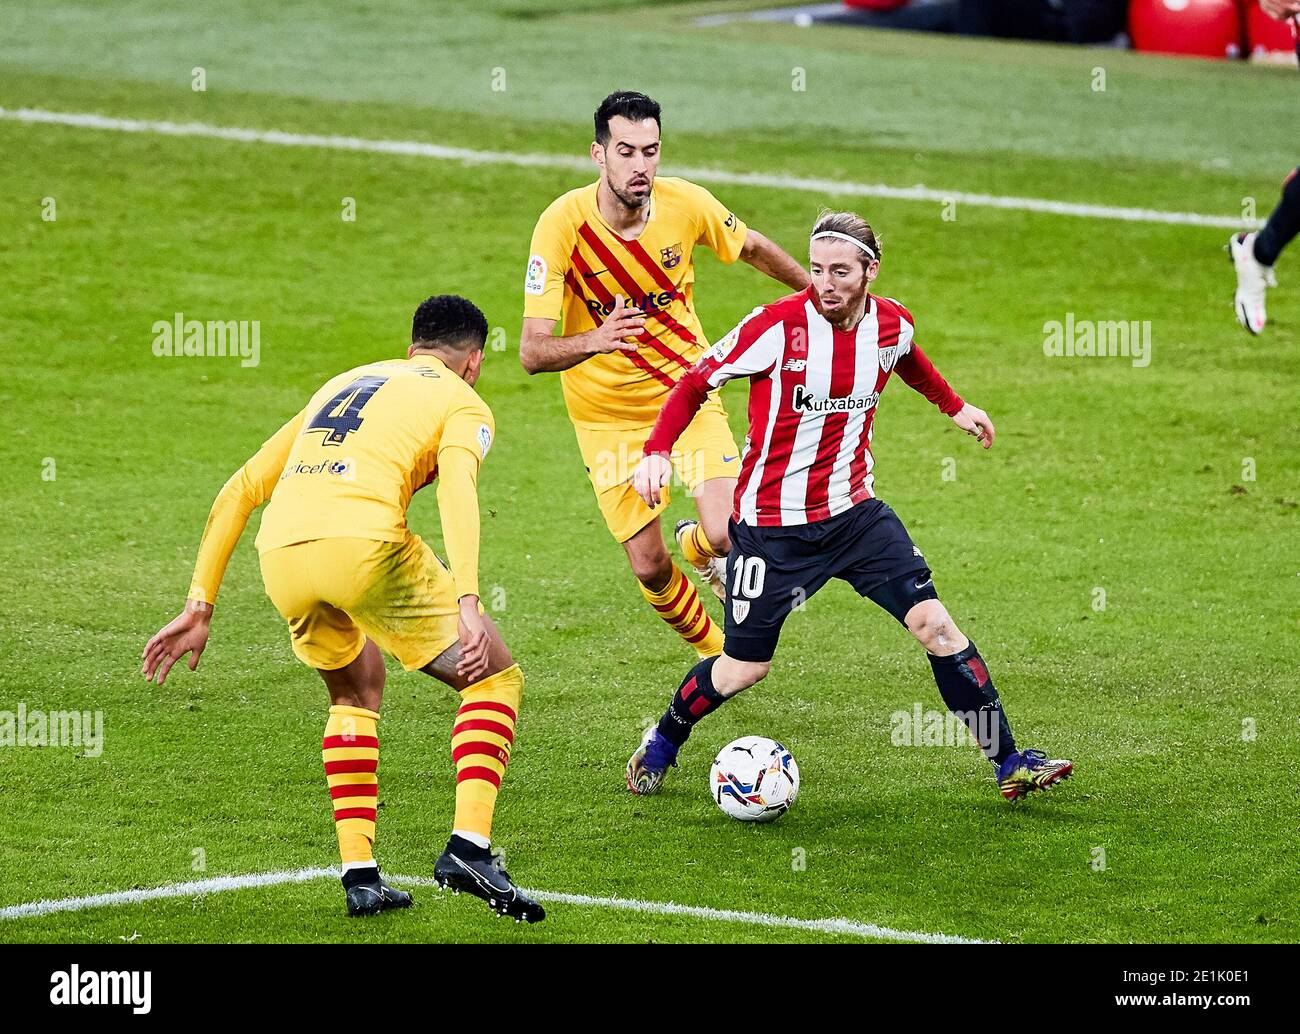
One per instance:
(630, 200)
(847, 303)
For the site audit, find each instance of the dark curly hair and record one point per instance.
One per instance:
(634, 106)
(449, 321)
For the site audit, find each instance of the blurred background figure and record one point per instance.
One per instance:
(917, 15)
(1064, 21)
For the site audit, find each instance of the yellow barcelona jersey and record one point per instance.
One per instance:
(577, 265)
(368, 440)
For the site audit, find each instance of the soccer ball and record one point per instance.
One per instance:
(754, 779)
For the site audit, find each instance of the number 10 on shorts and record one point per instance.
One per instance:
(747, 577)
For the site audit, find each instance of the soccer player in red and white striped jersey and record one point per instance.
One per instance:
(805, 510)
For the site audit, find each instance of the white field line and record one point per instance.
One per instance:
(441, 152)
(725, 915)
(169, 890)
(221, 884)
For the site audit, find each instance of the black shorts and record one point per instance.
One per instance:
(773, 571)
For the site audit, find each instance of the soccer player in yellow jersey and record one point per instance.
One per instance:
(350, 578)
(612, 264)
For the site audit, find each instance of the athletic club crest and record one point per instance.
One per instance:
(740, 610)
(887, 357)
(670, 256)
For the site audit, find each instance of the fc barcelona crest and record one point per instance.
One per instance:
(670, 256)
(887, 357)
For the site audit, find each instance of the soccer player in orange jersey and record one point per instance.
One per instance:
(611, 263)
(351, 578)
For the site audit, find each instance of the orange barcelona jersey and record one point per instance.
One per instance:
(578, 264)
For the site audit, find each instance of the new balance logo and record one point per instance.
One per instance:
(795, 365)
(810, 403)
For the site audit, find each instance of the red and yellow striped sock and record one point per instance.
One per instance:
(697, 549)
(480, 747)
(681, 607)
(350, 750)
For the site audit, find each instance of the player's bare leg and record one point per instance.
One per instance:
(669, 592)
(968, 691)
(705, 543)
(444, 666)
(731, 676)
(481, 740)
(648, 557)
(714, 500)
(359, 684)
(350, 750)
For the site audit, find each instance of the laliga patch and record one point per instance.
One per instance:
(484, 440)
(535, 278)
(719, 351)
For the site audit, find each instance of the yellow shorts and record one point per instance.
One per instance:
(336, 592)
(706, 450)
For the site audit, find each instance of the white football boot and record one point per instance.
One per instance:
(1252, 281)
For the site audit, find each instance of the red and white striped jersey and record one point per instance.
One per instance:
(812, 403)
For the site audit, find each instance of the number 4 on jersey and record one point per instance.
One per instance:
(341, 415)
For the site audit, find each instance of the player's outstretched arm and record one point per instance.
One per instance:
(541, 351)
(916, 369)
(769, 257)
(683, 402)
(247, 489)
(458, 467)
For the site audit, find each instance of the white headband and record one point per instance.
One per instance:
(844, 237)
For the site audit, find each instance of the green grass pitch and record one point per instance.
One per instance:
(1172, 489)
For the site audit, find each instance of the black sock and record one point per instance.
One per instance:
(468, 849)
(365, 874)
(694, 698)
(1282, 225)
(965, 685)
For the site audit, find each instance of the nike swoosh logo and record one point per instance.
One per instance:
(473, 875)
(589, 276)
(922, 585)
(728, 459)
